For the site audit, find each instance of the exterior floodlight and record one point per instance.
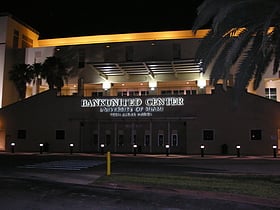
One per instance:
(13, 144)
(71, 145)
(102, 148)
(134, 149)
(41, 147)
(106, 85)
(274, 150)
(201, 82)
(167, 146)
(238, 150)
(153, 84)
(202, 147)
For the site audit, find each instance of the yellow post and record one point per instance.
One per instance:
(108, 163)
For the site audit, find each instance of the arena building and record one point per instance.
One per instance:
(141, 92)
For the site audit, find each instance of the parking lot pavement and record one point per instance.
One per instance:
(63, 181)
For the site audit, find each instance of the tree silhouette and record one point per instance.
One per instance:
(55, 73)
(21, 74)
(244, 33)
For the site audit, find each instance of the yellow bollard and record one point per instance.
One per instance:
(108, 163)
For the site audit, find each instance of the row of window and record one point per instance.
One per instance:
(26, 41)
(145, 93)
(147, 140)
(209, 135)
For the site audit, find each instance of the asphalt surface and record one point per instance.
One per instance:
(67, 181)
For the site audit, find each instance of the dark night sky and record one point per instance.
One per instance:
(82, 18)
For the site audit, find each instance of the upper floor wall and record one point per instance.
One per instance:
(16, 34)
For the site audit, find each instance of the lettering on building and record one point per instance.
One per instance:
(131, 107)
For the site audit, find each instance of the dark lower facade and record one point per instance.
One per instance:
(151, 125)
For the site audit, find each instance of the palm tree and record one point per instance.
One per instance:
(69, 56)
(21, 74)
(245, 33)
(55, 73)
(37, 70)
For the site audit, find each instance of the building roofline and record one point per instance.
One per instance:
(129, 37)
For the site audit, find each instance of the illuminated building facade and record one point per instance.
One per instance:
(141, 89)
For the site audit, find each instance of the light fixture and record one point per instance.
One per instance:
(153, 84)
(167, 146)
(201, 82)
(71, 145)
(106, 85)
(202, 147)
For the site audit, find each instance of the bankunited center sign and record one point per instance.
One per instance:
(131, 107)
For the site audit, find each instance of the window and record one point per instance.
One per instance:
(108, 139)
(174, 139)
(97, 94)
(160, 138)
(144, 93)
(121, 138)
(133, 93)
(95, 139)
(15, 39)
(166, 92)
(190, 92)
(60, 134)
(122, 93)
(208, 135)
(178, 92)
(133, 137)
(21, 134)
(256, 134)
(271, 93)
(147, 138)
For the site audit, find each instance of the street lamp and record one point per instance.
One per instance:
(202, 148)
(71, 146)
(167, 147)
(238, 150)
(274, 150)
(13, 144)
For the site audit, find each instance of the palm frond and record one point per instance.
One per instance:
(247, 67)
(262, 62)
(220, 69)
(253, 44)
(239, 44)
(206, 12)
